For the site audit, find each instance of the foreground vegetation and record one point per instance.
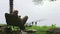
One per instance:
(39, 29)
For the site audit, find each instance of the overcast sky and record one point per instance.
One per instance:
(49, 12)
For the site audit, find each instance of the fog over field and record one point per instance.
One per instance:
(49, 12)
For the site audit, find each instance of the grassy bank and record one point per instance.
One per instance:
(39, 29)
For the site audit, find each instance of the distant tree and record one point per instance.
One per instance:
(41, 1)
(35, 23)
(53, 25)
(32, 23)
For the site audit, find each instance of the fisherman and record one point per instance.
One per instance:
(22, 21)
(14, 20)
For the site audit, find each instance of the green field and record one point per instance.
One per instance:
(39, 29)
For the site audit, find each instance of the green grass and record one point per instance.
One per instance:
(40, 29)
(2, 24)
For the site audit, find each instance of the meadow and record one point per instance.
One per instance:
(39, 29)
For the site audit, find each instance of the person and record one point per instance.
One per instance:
(15, 20)
(15, 12)
(21, 21)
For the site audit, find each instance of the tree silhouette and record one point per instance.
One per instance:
(35, 23)
(41, 1)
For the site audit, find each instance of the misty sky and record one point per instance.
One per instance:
(49, 12)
